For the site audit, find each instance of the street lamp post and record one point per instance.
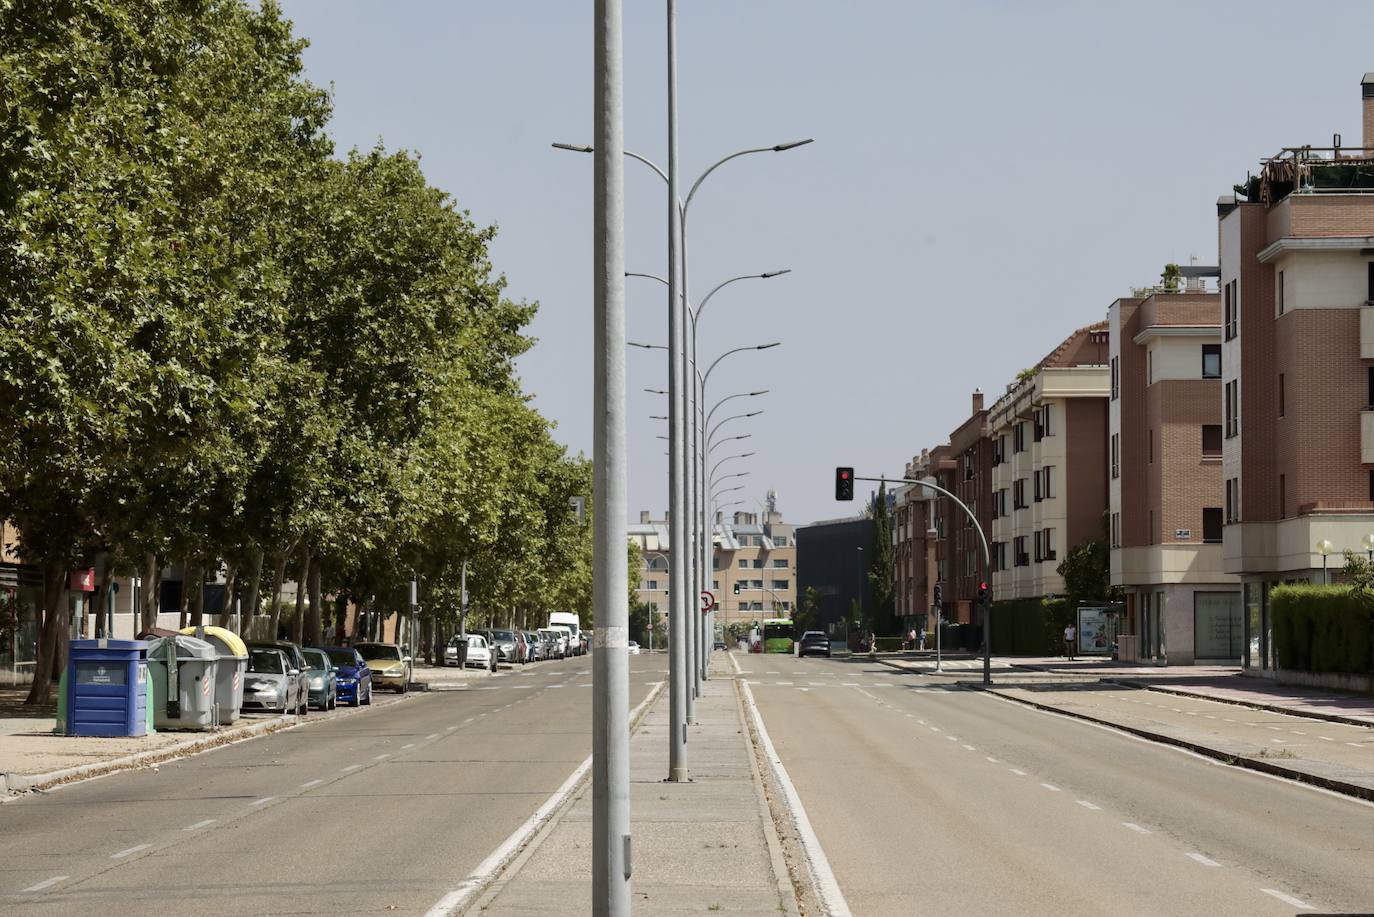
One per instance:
(1324, 548)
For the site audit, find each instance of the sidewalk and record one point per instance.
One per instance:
(707, 845)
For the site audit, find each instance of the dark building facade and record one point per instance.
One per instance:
(833, 558)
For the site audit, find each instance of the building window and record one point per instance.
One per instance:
(1370, 292)
(1232, 310)
(1231, 402)
(1370, 402)
(1226, 312)
(758, 563)
(1018, 494)
(1151, 533)
(1046, 486)
(1021, 559)
(715, 585)
(1149, 367)
(1047, 543)
(1211, 361)
(1211, 441)
(756, 584)
(780, 563)
(1278, 293)
(780, 584)
(1116, 530)
(1116, 378)
(1211, 525)
(1371, 485)
(779, 541)
(744, 565)
(1230, 500)
(1116, 455)
(1018, 437)
(1039, 554)
(1150, 437)
(1283, 497)
(652, 584)
(1282, 395)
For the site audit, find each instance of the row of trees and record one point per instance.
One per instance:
(222, 346)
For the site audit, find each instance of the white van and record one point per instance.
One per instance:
(569, 622)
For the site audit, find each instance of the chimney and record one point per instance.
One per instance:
(1367, 93)
(644, 517)
(977, 400)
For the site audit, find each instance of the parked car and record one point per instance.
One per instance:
(504, 643)
(720, 644)
(273, 683)
(522, 650)
(532, 647)
(390, 667)
(549, 640)
(319, 679)
(633, 647)
(813, 642)
(479, 653)
(565, 639)
(352, 676)
(292, 651)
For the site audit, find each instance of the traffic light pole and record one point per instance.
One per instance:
(987, 557)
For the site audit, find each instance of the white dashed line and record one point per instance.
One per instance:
(1275, 728)
(783, 684)
(1136, 828)
(1051, 787)
(258, 802)
(934, 728)
(990, 759)
(432, 735)
(849, 684)
(382, 757)
(1326, 738)
(46, 883)
(309, 783)
(1019, 773)
(1287, 899)
(408, 745)
(200, 824)
(1202, 859)
(1297, 733)
(1087, 805)
(952, 738)
(132, 850)
(970, 748)
(352, 767)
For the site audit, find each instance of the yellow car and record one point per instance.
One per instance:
(390, 666)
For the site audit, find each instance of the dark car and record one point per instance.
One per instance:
(813, 642)
(352, 676)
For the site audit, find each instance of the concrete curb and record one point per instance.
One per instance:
(1255, 764)
(782, 876)
(12, 784)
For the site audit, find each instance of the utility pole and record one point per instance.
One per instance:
(679, 632)
(463, 617)
(610, 672)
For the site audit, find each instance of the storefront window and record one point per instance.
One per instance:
(1217, 629)
(1252, 658)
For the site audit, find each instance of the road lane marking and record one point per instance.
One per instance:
(431, 736)
(991, 759)
(352, 767)
(783, 684)
(1275, 728)
(132, 850)
(1297, 733)
(1136, 828)
(934, 728)
(200, 824)
(1355, 744)
(832, 899)
(1087, 805)
(970, 748)
(849, 684)
(950, 738)
(1051, 787)
(1326, 738)
(501, 856)
(309, 783)
(1019, 773)
(1288, 899)
(1202, 859)
(46, 883)
(258, 802)
(382, 757)
(407, 745)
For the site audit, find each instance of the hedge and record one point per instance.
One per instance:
(1030, 627)
(1323, 628)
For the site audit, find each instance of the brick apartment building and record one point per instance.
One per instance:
(1049, 465)
(920, 551)
(1297, 278)
(1165, 455)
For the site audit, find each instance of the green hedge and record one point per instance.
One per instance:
(1030, 627)
(1323, 628)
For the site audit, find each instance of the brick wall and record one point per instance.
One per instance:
(1258, 394)
(1326, 215)
(1134, 492)
(1182, 484)
(1085, 471)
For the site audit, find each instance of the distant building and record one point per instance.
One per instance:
(833, 558)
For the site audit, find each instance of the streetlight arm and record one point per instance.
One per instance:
(726, 459)
(725, 283)
(711, 435)
(707, 374)
(778, 148)
(728, 439)
(712, 412)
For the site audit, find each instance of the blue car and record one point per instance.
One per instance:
(352, 676)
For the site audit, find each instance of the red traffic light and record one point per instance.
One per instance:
(844, 483)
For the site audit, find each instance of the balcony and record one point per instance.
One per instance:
(1367, 437)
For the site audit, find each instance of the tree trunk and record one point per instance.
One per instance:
(302, 584)
(226, 606)
(148, 588)
(251, 596)
(198, 595)
(274, 607)
(185, 605)
(102, 601)
(54, 619)
(312, 631)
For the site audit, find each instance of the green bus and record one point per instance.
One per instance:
(777, 635)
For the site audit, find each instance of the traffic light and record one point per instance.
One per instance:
(736, 587)
(938, 590)
(844, 483)
(984, 594)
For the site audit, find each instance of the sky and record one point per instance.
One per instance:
(986, 177)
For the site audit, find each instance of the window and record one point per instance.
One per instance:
(1226, 313)
(780, 583)
(1370, 402)
(1211, 525)
(970, 464)
(758, 563)
(1230, 500)
(1371, 485)
(1211, 361)
(652, 584)
(1018, 437)
(1278, 293)
(780, 563)
(1150, 539)
(1282, 395)
(1022, 559)
(1018, 494)
(756, 584)
(1039, 554)
(1370, 292)
(970, 564)
(744, 565)
(1116, 378)
(1045, 428)
(1211, 441)
(715, 585)
(1149, 367)
(715, 563)
(1047, 540)
(1116, 455)
(1231, 403)
(1116, 530)
(1043, 477)
(1283, 497)
(780, 541)
(1232, 311)
(1150, 434)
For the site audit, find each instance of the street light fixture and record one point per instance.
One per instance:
(1368, 542)
(1324, 548)
(728, 439)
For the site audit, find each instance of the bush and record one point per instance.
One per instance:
(1030, 627)
(1323, 628)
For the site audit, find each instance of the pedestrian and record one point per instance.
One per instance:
(911, 639)
(1070, 637)
(921, 639)
(872, 644)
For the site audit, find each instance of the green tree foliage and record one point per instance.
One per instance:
(220, 343)
(1087, 573)
(1324, 628)
(881, 567)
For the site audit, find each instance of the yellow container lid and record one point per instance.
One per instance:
(231, 639)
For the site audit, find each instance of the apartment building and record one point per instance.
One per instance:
(756, 550)
(917, 540)
(1048, 437)
(1165, 479)
(1297, 276)
(971, 448)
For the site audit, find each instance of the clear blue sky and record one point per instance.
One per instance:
(987, 176)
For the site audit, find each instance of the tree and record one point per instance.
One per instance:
(881, 566)
(1086, 569)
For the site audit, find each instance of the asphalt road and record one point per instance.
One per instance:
(383, 809)
(938, 800)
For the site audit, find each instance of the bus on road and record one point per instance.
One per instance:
(777, 635)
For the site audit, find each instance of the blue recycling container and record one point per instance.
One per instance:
(107, 688)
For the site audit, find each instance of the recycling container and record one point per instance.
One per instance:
(107, 688)
(196, 662)
(232, 663)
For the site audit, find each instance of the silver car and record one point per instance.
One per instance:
(272, 683)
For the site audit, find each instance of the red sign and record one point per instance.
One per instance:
(708, 600)
(82, 580)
